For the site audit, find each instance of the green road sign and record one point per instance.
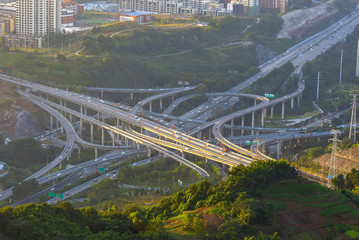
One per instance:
(102, 169)
(52, 194)
(271, 95)
(61, 196)
(248, 142)
(255, 142)
(266, 95)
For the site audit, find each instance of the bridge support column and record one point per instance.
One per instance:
(283, 105)
(263, 148)
(91, 132)
(85, 110)
(81, 111)
(113, 139)
(132, 96)
(102, 136)
(210, 133)
(242, 130)
(62, 129)
(278, 149)
(253, 116)
(118, 125)
(95, 152)
(101, 94)
(150, 107)
(103, 117)
(292, 103)
(271, 112)
(262, 117)
(70, 116)
(78, 150)
(51, 122)
(148, 152)
(232, 130)
(255, 102)
(173, 98)
(161, 103)
(199, 135)
(57, 123)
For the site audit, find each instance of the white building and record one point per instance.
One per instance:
(38, 17)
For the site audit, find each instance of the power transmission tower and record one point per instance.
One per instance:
(353, 119)
(318, 78)
(332, 173)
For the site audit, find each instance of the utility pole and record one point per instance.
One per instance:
(357, 67)
(333, 159)
(318, 79)
(353, 119)
(341, 67)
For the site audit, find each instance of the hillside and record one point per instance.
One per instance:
(346, 159)
(265, 200)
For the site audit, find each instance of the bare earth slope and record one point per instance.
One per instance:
(298, 21)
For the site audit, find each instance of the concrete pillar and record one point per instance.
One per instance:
(150, 107)
(298, 99)
(253, 116)
(292, 103)
(161, 103)
(101, 94)
(51, 122)
(103, 117)
(102, 136)
(62, 129)
(255, 102)
(271, 112)
(61, 105)
(232, 132)
(173, 98)
(242, 130)
(57, 123)
(131, 96)
(70, 117)
(95, 152)
(81, 111)
(262, 117)
(265, 113)
(283, 104)
(113, 139)
(91, 132)
(85, 110)
(78, 150)
(118, 125)
(199, 135)
(278, 149)
(148, 152)
(210, 133)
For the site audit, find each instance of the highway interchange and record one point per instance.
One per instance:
(166, 138)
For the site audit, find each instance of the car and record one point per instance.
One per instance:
(52, 189)
(59, 174)
(104, 159)
(123, 153)
(66, 194)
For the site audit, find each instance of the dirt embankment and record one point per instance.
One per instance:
(297, 22)
(346, 159)
(17, 115)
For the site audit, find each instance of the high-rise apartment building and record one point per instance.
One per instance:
(38, 17)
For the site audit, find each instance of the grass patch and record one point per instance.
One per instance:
(303, 236)
(352, 234)
(277, 205)
(342, 208)
(317, 197)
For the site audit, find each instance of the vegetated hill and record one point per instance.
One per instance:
(347, 159)
(265, 200)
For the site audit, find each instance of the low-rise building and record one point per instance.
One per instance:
(67, 18)
(20, 41)
(77, 8)
(141, 18)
